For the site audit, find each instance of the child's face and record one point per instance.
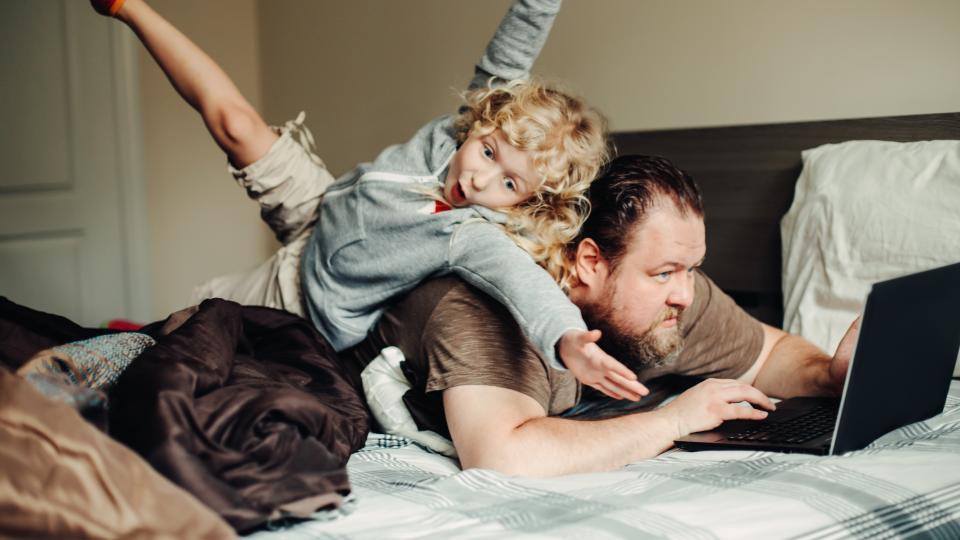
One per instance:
(489, 171)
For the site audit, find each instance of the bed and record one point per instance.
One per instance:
(906, 484)
(801, 218)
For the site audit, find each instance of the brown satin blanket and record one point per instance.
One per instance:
(247, 408)
(61, 478)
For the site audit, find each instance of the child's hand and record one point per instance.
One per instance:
(593, 367)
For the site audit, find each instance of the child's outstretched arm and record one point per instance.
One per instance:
(236, 127)
(593, 367)
(517, 42)
(482, 255)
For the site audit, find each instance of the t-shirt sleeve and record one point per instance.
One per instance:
(721, 340)
(472, 340)
(485, 257)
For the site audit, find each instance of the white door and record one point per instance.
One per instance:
(71, 192)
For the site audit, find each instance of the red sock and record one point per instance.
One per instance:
(107, 7)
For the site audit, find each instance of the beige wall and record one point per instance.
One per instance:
(688, 63)
(201, 223)
(369, 72)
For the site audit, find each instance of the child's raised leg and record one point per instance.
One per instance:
(232, 121)
(277, 168)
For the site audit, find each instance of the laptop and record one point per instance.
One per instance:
(900, 373)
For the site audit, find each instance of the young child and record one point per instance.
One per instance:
(477, 195)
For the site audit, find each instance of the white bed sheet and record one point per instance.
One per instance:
(905, 484)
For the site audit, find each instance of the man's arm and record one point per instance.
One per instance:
(501, 429)
(789, 365)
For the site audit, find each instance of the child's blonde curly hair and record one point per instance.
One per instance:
(565, 138)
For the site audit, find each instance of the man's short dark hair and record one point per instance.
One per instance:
(623, 194)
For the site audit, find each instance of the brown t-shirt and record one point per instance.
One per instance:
(452, 334)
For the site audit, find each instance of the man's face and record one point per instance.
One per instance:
(638, 304)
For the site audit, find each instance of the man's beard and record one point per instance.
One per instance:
(651, 347)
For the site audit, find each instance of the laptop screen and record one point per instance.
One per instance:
(906, 349)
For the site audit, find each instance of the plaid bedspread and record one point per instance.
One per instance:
(904, 485)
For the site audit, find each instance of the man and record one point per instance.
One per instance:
(637, 279)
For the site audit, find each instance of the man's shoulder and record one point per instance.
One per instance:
(710, 300)
(720, 338)
(434, 290)
(453, 302)
(468, 338)
(448, 313)
(444, 293)
(706, 293)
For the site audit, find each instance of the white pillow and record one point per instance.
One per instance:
(384, 385)
(865, 211)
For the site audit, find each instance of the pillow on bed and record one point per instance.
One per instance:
(865, 211)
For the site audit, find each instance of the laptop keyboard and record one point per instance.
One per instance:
(819, 421)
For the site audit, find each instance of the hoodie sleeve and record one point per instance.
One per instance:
(517, 42)
(482, 255)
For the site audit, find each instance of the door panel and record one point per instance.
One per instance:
(35, 97)
(63, 232)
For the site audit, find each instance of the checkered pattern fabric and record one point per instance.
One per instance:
(906, 484)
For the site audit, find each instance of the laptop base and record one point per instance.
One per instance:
(787, 410)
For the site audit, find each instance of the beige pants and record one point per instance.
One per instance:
(288, 184)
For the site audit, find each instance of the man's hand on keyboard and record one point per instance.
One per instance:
(714, 401)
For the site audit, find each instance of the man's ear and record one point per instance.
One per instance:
(592, 267)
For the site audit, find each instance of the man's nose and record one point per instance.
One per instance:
(682, 294)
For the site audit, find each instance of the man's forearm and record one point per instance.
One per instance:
(795, 367)
(505, 430)
(551, 446)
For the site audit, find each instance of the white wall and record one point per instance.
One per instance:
(201, 223)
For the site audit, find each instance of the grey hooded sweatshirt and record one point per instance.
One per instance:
(378, 234)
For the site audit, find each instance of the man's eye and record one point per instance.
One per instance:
(662, 276)
(509, 184)
(487, 152)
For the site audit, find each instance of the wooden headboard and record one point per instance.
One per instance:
(747, 176)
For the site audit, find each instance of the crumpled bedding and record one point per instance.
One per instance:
(62, 478)
(247, 408)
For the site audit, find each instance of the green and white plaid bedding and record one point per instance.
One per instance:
(904, 485)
